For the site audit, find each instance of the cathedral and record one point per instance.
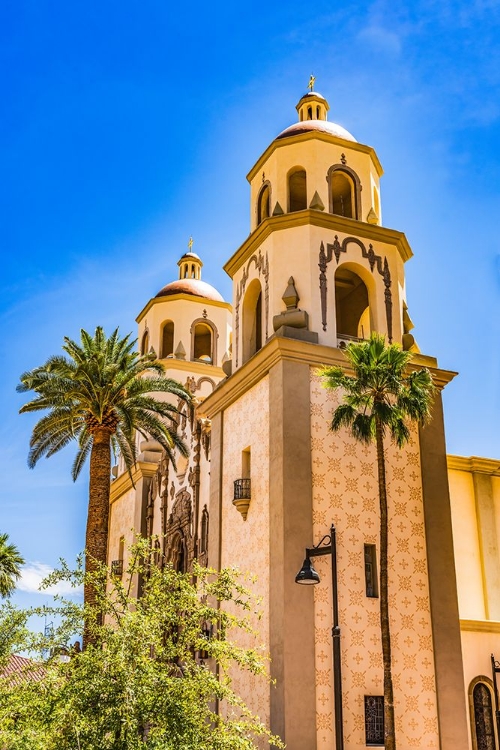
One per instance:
(266, 478)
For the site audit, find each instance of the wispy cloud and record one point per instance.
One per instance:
(381, 39)
(32, 575)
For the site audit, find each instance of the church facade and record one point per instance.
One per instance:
(266, 478)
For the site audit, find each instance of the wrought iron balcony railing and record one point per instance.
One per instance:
(117, 568)
(242, 489)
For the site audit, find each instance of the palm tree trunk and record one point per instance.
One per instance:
(389, 729)
(96, 539)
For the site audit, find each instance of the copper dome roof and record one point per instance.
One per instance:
(194, 287)
(323, 126)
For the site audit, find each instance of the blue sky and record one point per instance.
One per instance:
(128, 127)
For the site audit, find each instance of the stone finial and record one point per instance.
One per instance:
(180, 352)
(278, 211)
(372, 217)
(290, 296)
(316, 203)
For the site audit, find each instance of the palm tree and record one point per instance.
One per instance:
(10, 566)
(381, 397)
(100, 395)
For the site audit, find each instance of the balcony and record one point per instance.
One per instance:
(117, 568)
(242, 496)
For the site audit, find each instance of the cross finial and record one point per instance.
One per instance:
(190, 243)
(311, 83)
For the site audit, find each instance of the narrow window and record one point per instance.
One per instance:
(246, 463)
(204, 530)
(374, 720)
(317, 113)
(371, 570)
(297, 190)
(264, 204)
(145, 343)
(252, 320)
(167, 339)
(483, 717)
(309, 113)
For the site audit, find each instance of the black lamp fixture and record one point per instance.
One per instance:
(307, 575)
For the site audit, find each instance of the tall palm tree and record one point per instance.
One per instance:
(381, 397)
(10, 566)
(100, 395)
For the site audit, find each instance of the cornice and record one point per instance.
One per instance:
(276, 349)
(188, 365)
(187, 297)
(480, 626)
(474, 464)
(123, 483)
(318, 219)
(317, 135)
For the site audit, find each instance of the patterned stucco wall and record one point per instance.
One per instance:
(245, 544)
(345, 492)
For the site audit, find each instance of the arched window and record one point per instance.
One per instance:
(145, 343)
(317, 113)
(178, 556)
(342, 195)
(483, 726)
(252, 320)
(204, 531)
(297, 190)
(351, 305)
(345, 191)
(202, 343)
(309, 113)
(264, 204)
(167, 339)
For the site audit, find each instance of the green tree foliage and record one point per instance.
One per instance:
(382, 397)
(100, 393)
(10, 566)
(162, 678)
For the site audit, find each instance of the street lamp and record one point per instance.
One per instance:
(307, 575)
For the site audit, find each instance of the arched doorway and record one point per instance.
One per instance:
(352, 306)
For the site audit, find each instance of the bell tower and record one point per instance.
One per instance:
(318, 270)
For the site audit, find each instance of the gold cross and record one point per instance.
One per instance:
(190, 243)
(312, 80)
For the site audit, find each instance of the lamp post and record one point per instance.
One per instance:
(307, 575)
(495, 668)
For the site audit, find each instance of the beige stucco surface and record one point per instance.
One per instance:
(245, 544)
(345, 492)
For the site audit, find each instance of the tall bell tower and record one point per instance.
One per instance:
(318, 270)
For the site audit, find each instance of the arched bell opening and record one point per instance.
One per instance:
(345, 191)
(167, 340)
(297, 189)
(252, 320)
(145, 342)
(202, 348)
(352, 306)
(264, 203)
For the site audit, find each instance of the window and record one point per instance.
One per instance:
(252, 320)
(351, 305)
(297, 190)
(264, 204)
(483, 718)
(145, 343)
(202, 346)
(204, 531)
(374, 720)
(342, 195)
(167, 339)
(371, 580)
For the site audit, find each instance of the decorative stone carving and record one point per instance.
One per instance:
(292, 317)
(317, 204)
